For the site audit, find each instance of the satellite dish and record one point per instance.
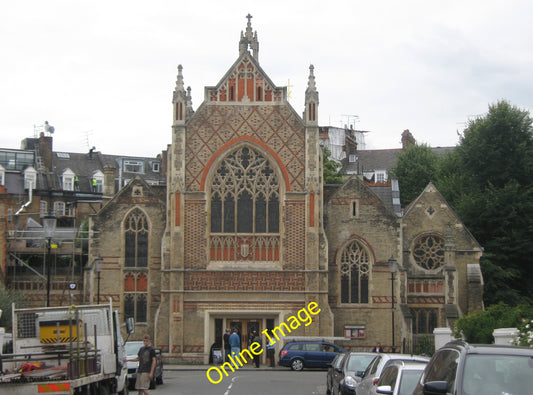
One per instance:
(48, 128)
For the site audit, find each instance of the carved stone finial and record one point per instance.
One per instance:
(179, 81)
(249, 39)
(311, 92)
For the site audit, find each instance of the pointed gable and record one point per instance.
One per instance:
(245, 82)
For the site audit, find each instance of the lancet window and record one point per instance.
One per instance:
(136, 239)
(355, 262)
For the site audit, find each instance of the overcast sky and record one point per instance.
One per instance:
(103, 72)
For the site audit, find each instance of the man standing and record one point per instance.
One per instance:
(378, 348)
(145, 371)
(257, 339)
(235, 342)
(226, 345)
(271, 351)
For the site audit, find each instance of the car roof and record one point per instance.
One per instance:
(362, 353)
(496, 349)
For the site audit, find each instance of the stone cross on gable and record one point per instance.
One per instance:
(249, 19)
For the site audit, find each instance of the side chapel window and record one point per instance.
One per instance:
(354, 272)
(428, 251)
(136, 256)
(135, 296)
(136, 235)
(245, 195)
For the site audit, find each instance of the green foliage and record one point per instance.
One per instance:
(492, 170)
(416, 167)
(331, 169)
(7, 297)
(478, 327)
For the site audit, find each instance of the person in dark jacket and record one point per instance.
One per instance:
(257, 339)
(227, 347)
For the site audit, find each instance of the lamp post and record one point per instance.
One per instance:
(393, 266)
(98, 268)
(49, 227)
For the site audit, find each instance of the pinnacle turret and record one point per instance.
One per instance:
(249, 39)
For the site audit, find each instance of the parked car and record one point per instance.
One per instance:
(399, 378)
(347, 374)
(332, 370)
(308, 354)
(461, 368)
(373, 372)
(132, 350)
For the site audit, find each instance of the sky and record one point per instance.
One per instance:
(102, 73)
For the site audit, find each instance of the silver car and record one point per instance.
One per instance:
(373, 372)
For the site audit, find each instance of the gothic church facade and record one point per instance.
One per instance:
(245, 237)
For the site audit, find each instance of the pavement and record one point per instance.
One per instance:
(172, 367)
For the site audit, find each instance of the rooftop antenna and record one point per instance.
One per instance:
(86, 138)
(352, 119)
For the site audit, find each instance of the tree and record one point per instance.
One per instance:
(495, 198)
(416, 167)
(331, 169)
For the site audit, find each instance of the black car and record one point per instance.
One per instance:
(308, 354)
(348, 371)
(132, 349)
(332, 370)
(461, 368)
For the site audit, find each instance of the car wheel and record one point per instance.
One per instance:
(297, 364)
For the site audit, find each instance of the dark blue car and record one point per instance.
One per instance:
(308, 354)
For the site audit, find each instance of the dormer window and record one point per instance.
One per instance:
(30, 178)
(133, 166)
(68, 180)
(2, 175)
(381, 176)
(155, 167)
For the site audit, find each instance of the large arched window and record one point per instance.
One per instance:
(245, 195)
(136, 234)
(354, 265)
(245, 208)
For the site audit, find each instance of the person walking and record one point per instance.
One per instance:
(257, 339)
(271, 351)
(227, 347)
(147, 362)
(235, 343)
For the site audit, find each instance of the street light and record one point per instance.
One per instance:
(393, 266)
(49, 227)
(98, 267)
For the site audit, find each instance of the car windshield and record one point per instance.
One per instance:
(498, 374)
(132, 348)
(408, 381)
(359, 362)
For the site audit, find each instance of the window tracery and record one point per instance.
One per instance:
(428, 251)
(354, 264)
(136, 239)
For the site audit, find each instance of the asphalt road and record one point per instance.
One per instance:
(244, 383)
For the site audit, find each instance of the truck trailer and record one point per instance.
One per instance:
(65, 350)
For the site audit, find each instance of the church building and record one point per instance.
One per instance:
(248, 235)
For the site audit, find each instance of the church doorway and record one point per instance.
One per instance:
(245, 328)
